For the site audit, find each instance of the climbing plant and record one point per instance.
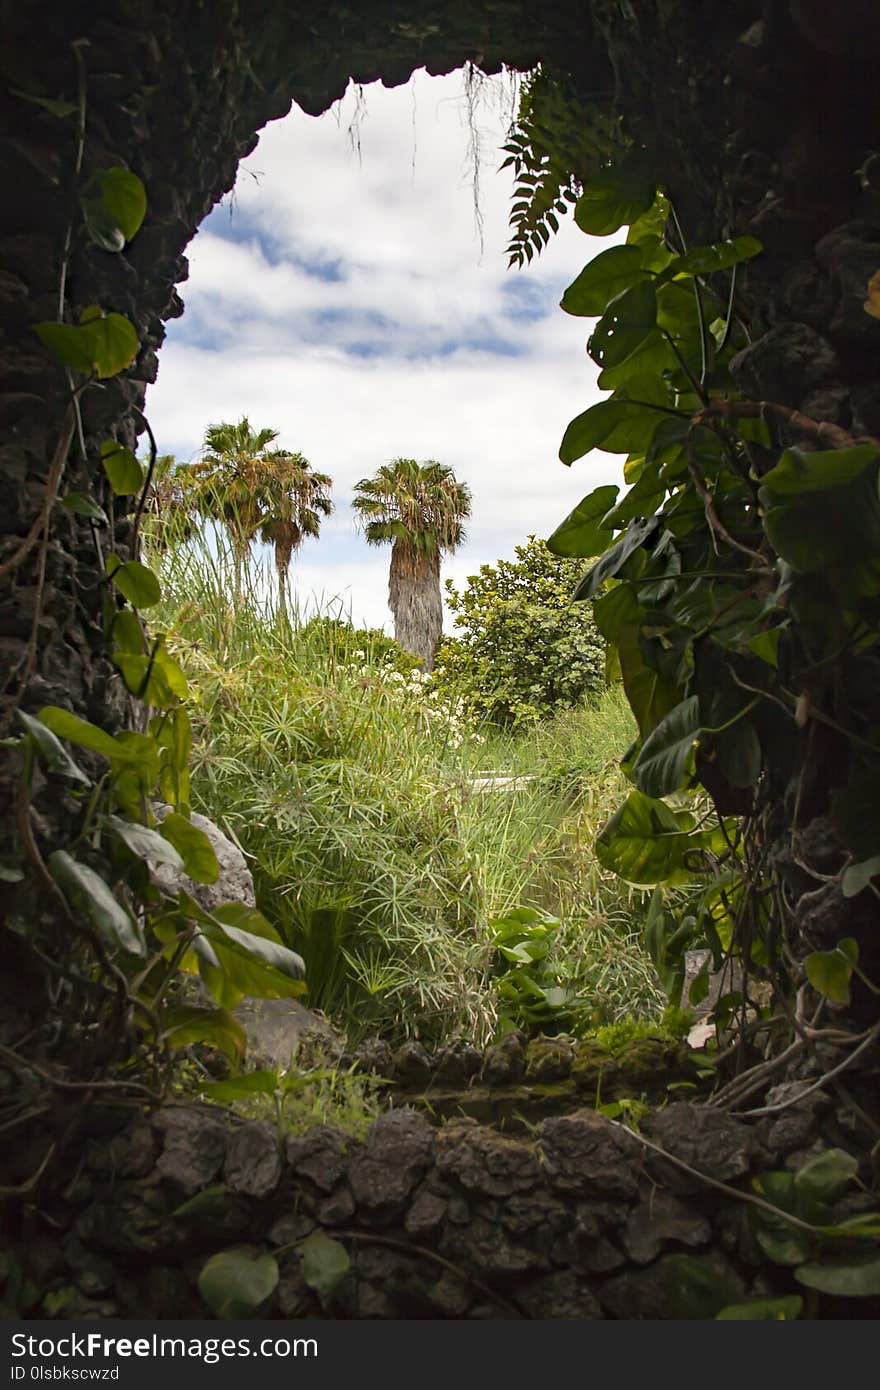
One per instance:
(96, 914)
(739, 587)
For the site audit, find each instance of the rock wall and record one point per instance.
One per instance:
(579, 1220)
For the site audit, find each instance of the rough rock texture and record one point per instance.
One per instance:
(234, 882)
(455, 1222)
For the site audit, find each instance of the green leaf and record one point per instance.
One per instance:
(825, 1177)
(765, 645)
(607, 275)
(644, 842)
(122, 468)
(625, 325)
(196, 850)
(781, 1242)
(660, 767)
(82, 504)
(800, 471)
(124, 198)
(650, 694)
(79, 731)
(857, 877)
(247, 931)
(739, 754)
(101, 226)
(50, 104)
(135, 581)
(640, 501)
(582, 533)
(618, 426)
(616, 196)
(128, 635)
(53, 755)
(234, 1283)
(785, 1309)
(829, 972)
(87, 892)
(616, 557)
(704, 260)
(254, 1083)
(145, 842)
(699, 985)
(68, 344)
(187, 1024)
(325, 1263)
(697, 1287)
(157, 679)
(852, 1277)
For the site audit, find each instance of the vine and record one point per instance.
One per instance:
(93, 913)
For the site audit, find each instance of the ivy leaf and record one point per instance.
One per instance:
(826, 1177)
(125, 199)
(659, 768)
(325, 1263)
(615, 196)
(145, 842)
(79, 731)
(625, 325)
(857, 877)
(186, 1024)
(800, 471)
(53, 754)
(128, 635)
(583, 533)
(101, 343)
(739, 754)
(86, 891)
(235, 1283)
(607, 275)
(53, 105)
(852, 1277)
(135, 581)
(644, 842)
(619, 426)
(123, 471)
(829, 972)
(193, 845)
(785, 1309)
(616, 557)
(83, 504)
(704, 260)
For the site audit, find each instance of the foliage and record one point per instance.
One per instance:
(252, 489)
(124, 940)
(522, 651)
(722, 564)
(300, 1097)
(530, 995)
(421, 510)
(557, 141)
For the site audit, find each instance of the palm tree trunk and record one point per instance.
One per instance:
(414, 599)
(282, 590)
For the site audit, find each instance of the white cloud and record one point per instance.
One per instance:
(346, 303)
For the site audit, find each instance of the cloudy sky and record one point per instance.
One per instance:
(342, 296)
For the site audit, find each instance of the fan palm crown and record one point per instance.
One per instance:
(420, 508)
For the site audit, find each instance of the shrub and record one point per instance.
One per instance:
(523, 650)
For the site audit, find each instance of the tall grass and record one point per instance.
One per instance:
(375, 849)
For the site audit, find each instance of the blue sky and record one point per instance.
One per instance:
(343, 297)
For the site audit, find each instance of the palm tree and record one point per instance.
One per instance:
(421, 509)
(167, 510)
(293, 500)
(226, 484)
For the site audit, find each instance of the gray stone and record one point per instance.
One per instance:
(504, 1063)
(234, 883)
(558, 1295)
(253, 1163)
(484, 1161)
(548, 1059)
(483, 1245)
(658, 1291)
(411, 1065)
(786, 364)
(279, 1030)
(707, 1140)
(195, 1146)
(586, 1153)
(456, 1063)
(321, 1156)
(426, 1214)
(661, 1217)
(374, 1056)
(130, 1154)
(720, 981)
(391, 1162)
(336, 1208)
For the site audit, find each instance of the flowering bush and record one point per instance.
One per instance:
(523, 650)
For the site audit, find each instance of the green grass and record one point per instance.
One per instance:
(350, 786)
